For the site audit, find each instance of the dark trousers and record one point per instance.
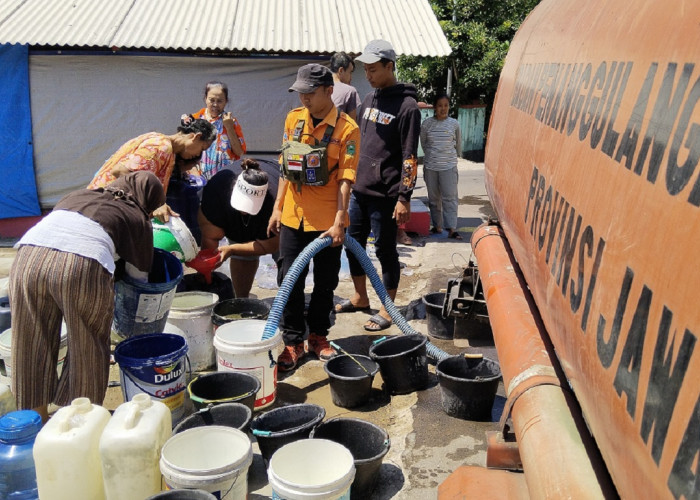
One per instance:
(371, 213)
(326, 271)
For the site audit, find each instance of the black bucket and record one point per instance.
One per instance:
(351, 386)
(368, 444)
(284, 425)
(236, 415)
(402, 362)
(223, 387)
(468, 386)
(196, 282)
(438, 327)
(183, 495)
(234, 309)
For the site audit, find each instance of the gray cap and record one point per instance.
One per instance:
(375, 51)
(310, 77)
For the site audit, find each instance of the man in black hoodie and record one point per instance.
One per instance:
(389, 122)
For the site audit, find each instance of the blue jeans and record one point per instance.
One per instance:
(375, 214)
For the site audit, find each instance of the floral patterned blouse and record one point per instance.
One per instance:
(152, 151)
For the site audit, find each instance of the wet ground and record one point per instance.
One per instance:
(426, 443)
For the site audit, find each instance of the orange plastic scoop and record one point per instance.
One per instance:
(205, 262)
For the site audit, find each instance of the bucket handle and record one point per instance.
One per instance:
(381, 339)
(257, 432)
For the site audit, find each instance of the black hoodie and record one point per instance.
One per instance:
(389, 122)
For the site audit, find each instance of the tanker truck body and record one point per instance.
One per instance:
(592, 167)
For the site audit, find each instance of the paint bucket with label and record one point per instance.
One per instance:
(6, 354)
(141, 308)
(468, 386)
(279, 426)
(212, 458)
(241, 348)
(190, 313)
(317, 469)
(368, 444)
(402, 362)
(154, 364)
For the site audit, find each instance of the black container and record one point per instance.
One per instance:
(234, 309)
(236, 415)
(284, 425)
(438, 327)
(223, 387)
(468, 386)
(351, 385)
(220, 284)
(402, 362)
(183, 495)
(368, 444)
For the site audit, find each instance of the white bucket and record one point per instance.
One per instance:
(212, 458)
(317, 469)
(240, 347)
(6, 354)
(191, 313)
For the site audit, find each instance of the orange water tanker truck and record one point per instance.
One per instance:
(592, 272)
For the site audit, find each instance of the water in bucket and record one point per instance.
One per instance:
(311, 468)
(154, 364)
(212, 458)
(141, 308)
(240, 347)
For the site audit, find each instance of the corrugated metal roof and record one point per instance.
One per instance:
(258, 26)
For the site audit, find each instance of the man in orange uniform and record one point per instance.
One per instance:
(312, 202)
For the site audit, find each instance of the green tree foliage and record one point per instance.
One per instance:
(479, 38)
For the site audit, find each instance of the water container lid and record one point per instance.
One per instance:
(20, 424)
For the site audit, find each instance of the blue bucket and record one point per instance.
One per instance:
(154, 364)
(141, 308)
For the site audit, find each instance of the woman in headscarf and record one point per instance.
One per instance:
(64, 270)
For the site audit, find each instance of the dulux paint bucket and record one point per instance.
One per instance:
(240, 347)
(317, 469)
(212, 458)
(191, 314)
(6, 354)
(154, 364)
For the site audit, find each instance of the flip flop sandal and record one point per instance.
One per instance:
(345, 306)
(455, 236)
(435, 230)
(380, 321)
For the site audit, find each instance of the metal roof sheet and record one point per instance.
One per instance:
(256, 26)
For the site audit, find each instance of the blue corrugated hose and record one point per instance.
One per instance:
(351, 244)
